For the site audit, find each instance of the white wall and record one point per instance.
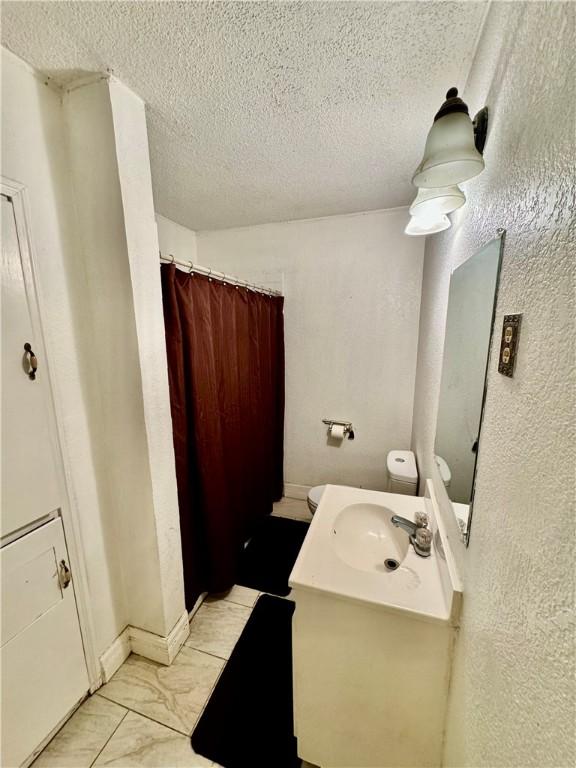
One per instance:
(352, 288)
(127, 375)
(34, 153)
(512, 694)
(176, 240)
(131, 138)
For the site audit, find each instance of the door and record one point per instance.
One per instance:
(43, 668)
(30, 485)
(44, 671)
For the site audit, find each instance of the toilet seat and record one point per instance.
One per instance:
(444, 469)
(314, 495)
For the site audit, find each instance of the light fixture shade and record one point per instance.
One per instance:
(450, 155)
(437, 200)
(424, 226)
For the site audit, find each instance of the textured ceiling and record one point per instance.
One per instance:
(265, 111)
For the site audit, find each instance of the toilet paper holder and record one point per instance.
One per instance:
(348, 429)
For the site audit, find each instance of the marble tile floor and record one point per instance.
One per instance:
(216, 627)
(144, 716)
(296, 509)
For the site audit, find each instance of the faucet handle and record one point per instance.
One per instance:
(423, 542)
(421, 520)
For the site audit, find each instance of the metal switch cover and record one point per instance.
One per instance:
(509, 344)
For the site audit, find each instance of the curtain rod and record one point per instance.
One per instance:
(221, 276)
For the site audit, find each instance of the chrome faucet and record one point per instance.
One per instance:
(406, 525)
(418, 533)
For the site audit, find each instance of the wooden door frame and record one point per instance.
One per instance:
(69, 513)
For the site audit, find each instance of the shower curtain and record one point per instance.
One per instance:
(225, 348)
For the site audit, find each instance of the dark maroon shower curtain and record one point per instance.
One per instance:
(225, 348)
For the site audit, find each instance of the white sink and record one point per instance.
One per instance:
(363, 537)
(347, 547)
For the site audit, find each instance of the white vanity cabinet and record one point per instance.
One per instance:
(370, 687)
(371, 642)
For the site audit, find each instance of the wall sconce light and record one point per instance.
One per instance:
(453, 154)
(432, 201)
(427, 226)
(454, 146)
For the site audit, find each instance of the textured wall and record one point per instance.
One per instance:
(352, 287)
(512, 697)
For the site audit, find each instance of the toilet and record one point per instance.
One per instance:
(444, 470)
(314, 496)
(402, 473)
(402, 478)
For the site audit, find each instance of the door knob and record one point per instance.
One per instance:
(64, 575)
(32, 361)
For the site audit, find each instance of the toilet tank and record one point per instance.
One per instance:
(402, 473)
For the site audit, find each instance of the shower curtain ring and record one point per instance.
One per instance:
(190, 268)
(209, 273)
(172, 257)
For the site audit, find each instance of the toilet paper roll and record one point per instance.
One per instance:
(337, 432)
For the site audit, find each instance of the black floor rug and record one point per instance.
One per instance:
(268, 559)
(248, 720)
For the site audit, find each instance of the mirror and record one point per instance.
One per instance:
(469, 325)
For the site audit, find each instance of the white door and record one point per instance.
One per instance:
(30, 487)
(44, 671)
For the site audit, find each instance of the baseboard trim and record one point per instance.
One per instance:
(158, 648)
(294, 491)
(113, 658)
(155, 647)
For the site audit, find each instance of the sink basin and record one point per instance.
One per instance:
(353, 552)
(363, 537)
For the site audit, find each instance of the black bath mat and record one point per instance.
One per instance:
(268, 559)
(248, 720)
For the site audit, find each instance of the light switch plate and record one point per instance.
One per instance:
(509, 344)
